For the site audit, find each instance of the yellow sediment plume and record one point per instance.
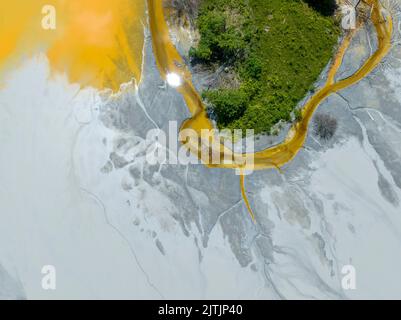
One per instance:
(169, 61)
(96, 42)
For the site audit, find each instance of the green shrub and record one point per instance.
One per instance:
(253, 68)
(228, 105)
(325, 7)
(278, 48)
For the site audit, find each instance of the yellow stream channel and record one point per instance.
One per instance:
(170, 61)
(95, 42)
(100, 43)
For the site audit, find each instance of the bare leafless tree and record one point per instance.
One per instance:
(324, 126)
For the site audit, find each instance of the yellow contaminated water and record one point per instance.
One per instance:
(169, 61)
(244, 196)
(96, 42)
(100, 43)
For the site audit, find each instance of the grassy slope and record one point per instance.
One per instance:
(288, 44)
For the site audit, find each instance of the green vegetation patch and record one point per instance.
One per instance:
(277, 48)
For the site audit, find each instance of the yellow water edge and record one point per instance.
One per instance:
(96, 42)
